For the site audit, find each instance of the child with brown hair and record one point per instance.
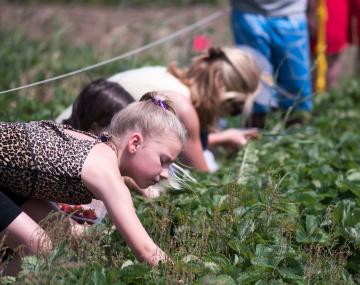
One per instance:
(95, 106)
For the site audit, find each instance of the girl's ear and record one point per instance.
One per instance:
(136, 140)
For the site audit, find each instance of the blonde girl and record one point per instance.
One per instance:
(42, 161)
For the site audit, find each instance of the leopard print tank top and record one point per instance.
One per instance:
(39, 160)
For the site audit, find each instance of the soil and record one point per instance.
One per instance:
(111, 29)
(114, 30)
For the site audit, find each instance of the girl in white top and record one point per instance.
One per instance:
(212, 85)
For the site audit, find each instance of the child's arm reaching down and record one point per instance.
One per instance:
(107, 185)
(149, 192)
(121, 210)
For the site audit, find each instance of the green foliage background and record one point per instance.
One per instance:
(284, 210)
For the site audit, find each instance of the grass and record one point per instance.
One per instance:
(25, 61)
(284, 210)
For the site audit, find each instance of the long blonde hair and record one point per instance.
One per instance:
(221, 74)
(153, 116)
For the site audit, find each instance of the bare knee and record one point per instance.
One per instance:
(26, 236)
(40, 243)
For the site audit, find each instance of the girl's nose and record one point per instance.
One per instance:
(164, 174)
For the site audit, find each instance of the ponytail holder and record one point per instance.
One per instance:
(160, 103)
(215, 52)
(105, 137)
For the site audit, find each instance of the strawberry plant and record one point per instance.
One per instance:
(284, 210)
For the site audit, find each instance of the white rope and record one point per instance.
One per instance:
(185, 30)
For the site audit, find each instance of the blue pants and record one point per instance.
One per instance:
(285, 42)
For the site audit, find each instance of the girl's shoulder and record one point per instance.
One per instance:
(103, 152)
(82, 135)
(101, 163)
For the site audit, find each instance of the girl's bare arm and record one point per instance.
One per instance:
(107, 185)
(192, 154)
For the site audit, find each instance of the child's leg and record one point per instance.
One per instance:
(37, 209)
(24, 230)
(334, 70)
(291, 60)
(355, 31)
(337, 38)
(251, 33)
(251, 30)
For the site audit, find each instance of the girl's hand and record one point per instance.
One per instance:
(159, 256)
(151, 192)
(250, 133)
(233, 139)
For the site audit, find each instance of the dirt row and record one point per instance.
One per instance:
(110, 28)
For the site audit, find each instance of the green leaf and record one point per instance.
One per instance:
(291, 269)
(311, 224)
(7, 280)
(127, 263)
(98, 277)
(190, 258)
(353, 176)
(217, 280)
(245, 228)
(347, 214)
(242, 249)
(266, 256)
(251, 276)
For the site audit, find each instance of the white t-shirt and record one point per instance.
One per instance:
(150, 78)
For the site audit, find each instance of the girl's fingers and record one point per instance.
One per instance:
(251, 133)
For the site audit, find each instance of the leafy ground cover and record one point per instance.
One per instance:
(284, 210)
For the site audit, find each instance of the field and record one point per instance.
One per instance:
(284, 210)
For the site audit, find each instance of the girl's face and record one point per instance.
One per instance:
(150, 158)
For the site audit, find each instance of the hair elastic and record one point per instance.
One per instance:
(105, 137)
(160, 103)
